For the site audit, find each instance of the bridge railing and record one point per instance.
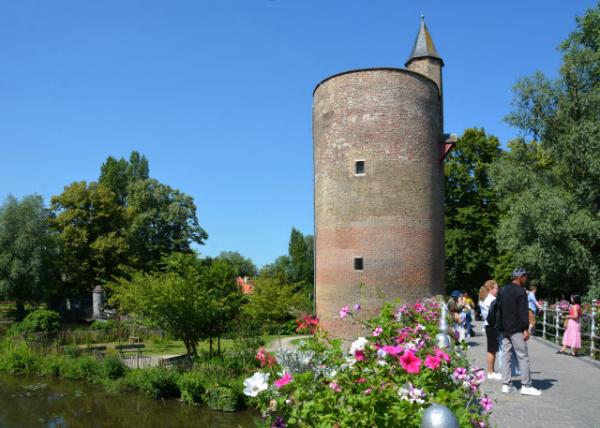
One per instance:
(550, 326)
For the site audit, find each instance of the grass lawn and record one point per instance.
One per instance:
(169, 347)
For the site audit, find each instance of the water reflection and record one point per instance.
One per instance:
(44, 402)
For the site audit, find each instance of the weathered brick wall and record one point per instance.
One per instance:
(430, 67)
(392, 216)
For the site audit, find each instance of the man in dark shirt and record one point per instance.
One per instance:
(514, 326)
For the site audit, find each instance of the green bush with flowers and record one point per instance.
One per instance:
(385, 380)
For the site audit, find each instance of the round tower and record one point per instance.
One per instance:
(379, 199)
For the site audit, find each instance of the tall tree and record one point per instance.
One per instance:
(301, 260)
(472, 213)
(160, 220)
(27, 252)
(119, 174)
(550, 186)
(91, 235)
(242, 266)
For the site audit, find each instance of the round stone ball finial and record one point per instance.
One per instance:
(438, 416)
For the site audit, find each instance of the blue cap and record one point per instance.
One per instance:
(517, 272)
(455, 294)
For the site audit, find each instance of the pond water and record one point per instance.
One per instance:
(27, 402)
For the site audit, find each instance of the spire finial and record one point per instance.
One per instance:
(423, 46)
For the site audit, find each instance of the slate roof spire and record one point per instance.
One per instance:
(424, 47)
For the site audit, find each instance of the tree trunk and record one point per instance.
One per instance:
(20, 306)
(210, 347)
(219, 346)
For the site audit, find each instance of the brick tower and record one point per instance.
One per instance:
(379, 186)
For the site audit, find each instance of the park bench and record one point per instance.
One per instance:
(96, 350)
(134, 348)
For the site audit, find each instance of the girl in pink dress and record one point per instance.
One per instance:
(572, 335)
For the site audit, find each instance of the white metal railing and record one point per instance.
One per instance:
(552, 326)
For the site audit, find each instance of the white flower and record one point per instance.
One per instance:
(256, 384)
(358, 345)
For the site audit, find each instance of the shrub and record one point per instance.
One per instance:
(191, 385)
(156, 383)
(40, 320)
(103, 325)
(112, 367)
(18, 358)
(80, 368)
(221, 397)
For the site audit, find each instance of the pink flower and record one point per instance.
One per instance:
(392, 350)
(460, 373)
(432, 362)
(419, 307)
(284, 380)
(378, 330)
(368, 391)
(334, 386)
(442, 355)
(410, 362)
(344, 311)
(357, 307)
(359, 355)
(486, 403)
(360, 380)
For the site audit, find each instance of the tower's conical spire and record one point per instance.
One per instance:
(424, 47)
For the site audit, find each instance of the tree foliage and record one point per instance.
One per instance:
(243, 266)
(274, 303)
(91, 229)
(126, 219)
(189, 299)
(27, 251)
(550, 186)
(472, 212)
(160, 220)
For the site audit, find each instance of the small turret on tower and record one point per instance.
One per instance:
(424, 58)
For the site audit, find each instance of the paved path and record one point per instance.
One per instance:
(284, 342)
(571, 389)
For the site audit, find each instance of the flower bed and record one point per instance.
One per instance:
(385, 380)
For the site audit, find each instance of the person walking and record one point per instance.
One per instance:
(533, 306)
(487, 295)
(572, 334)
(513, 323)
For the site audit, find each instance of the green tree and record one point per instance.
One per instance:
(472, 213)
(188, 299)
(219, 276)
(119, 174)
(27, 252)
(160, 220)
(243, 266)
(90, 225)
(550, 187)
(273, 303)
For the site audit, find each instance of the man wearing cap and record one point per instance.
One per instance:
(513, 323)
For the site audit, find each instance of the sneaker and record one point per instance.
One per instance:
(530, 390)
(494, 376)
(508, 389)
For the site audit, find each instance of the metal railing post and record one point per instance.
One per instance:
(593, 329)
(556, 323)
(544, 319)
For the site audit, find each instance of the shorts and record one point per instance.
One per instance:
(492, 339)
(531, 317)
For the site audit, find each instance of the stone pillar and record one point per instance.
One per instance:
(98, 298)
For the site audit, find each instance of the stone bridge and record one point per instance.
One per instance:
(570, 386)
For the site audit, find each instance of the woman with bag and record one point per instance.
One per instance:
(572, 334)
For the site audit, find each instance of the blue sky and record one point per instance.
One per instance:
(218, 94)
